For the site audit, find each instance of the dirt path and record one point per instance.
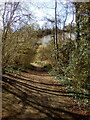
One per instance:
(36, 95)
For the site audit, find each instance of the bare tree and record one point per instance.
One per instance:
(13, 15)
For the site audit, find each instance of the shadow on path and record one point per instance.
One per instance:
(26, 99)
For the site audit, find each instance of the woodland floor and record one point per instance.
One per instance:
(35, 95)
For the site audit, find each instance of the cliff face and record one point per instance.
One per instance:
(64, 36)
(45, 39)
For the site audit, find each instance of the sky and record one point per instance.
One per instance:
(43, 9)
(44, 0)
(41, 1)
(46, 9)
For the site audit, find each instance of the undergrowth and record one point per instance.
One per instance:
(79, 94)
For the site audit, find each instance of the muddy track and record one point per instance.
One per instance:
(35, 95)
